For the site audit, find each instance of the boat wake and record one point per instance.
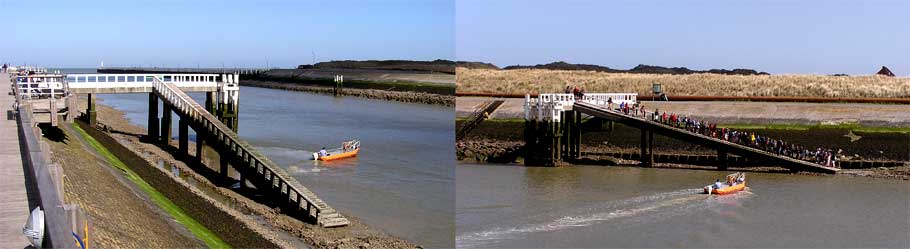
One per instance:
(632, 211)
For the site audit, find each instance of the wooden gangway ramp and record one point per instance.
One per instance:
(684, 135)
(478, 116)
(265, 175)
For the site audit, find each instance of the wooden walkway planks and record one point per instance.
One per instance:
(13, 196)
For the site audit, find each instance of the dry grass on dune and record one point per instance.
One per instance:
(535, 80)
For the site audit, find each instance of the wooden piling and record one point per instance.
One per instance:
(153, 133)
(91, 112)
(183, 138)
(166, 125)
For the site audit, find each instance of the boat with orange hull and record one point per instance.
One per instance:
(348, 149)
(735, 182)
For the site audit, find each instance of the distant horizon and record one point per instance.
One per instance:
(778, 37)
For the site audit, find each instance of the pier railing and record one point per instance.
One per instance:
(44, 86)
(140, 80)
(547, 106)
(254, 162)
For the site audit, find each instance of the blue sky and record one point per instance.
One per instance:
(821, 37)
(236, 33)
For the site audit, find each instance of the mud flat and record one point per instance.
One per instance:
(241, 210)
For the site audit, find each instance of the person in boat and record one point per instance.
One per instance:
(717, 184)
(323, 153)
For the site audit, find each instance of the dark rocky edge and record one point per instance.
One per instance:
(476, 65)
(439, 66)
(411, 97)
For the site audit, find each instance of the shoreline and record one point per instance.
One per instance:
(280, 227)
(400, 96)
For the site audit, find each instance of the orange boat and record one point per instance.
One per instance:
(735, 182)
(348, 149)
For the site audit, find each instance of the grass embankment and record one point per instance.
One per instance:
(211, 240)
(523, 81)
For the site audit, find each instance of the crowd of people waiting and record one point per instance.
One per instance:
(821, 156)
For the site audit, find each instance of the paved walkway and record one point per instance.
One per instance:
(742, 112)
(13, 198)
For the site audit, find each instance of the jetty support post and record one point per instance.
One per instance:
(166, 124)
(200, 141)
(553, 145)
(210, 102)
(244, 169)
(91, 112)
(71, 99)
(650, 148)
(153, 132)
(722, 159)
(531, 145)
(223, 158)
(647, 147)
(565, 140)
(183, 138)
(576, 144)
(236, 113)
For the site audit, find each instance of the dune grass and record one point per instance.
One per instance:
(523, 81)
(210, 239)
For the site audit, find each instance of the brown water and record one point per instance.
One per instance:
(402, 182)
(597, 206)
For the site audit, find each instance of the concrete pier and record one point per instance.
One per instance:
(14, 207)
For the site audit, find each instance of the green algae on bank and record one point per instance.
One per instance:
(211, 240)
